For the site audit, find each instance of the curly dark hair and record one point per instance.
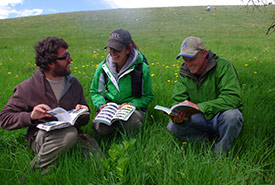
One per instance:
(47, 51)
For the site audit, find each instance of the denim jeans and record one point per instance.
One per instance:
(227, 125)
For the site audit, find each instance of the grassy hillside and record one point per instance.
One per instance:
(153, 156)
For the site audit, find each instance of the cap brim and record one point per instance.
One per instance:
(114, 45)
(183, 55)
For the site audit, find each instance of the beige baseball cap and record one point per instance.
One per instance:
(190, 47)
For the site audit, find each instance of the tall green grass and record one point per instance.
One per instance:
(153, 156)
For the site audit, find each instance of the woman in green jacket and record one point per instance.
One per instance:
(123, 78)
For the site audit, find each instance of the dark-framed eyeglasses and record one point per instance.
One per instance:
(66, 57)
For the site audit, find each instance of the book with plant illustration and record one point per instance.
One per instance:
(176, 109)
(111, 113)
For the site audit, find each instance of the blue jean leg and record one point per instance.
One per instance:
(228, 125)
(196, 128)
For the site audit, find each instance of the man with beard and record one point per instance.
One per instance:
(51, 86)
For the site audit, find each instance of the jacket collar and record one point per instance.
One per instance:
(40, 76)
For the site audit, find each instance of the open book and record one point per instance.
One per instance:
(65, 118)
(176, 109)
(111, 113)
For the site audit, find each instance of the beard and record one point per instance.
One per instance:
(60, 71)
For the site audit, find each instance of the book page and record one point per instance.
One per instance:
(106, 114)
(53, 125)
(61, 114)
(124, 112)
(164, 109)
(76, 113)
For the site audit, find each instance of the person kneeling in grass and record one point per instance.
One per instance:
(51, 86)
(209, 83)
(128, 82)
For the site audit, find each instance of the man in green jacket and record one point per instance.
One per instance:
(209, 83)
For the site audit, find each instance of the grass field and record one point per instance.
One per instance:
(153, 156)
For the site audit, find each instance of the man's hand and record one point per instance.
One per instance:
(40, 111)
(179, 118)
(183, 115)
(190, 103)
(78, 106)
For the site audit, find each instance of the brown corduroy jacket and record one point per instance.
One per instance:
(37, 90)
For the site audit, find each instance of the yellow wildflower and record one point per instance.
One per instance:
(152, 63)
(184, 143)
(245, 65)
(169, 81)
(152, 75)
(255, 72)
(9, 73)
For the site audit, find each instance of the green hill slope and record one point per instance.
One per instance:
(153, 156)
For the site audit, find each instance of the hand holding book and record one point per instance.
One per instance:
(112, 112)
(180, 112)
(64, 118)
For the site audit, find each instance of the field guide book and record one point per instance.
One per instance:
(65, 118)
(176, 109)
(111, 113)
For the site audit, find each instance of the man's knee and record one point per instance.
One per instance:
(232, 118)
(70, 137)
(171, 127)
(233, 115)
